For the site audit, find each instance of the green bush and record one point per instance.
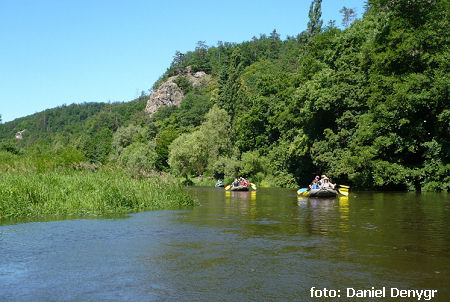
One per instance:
(138, 159)
(184, 84)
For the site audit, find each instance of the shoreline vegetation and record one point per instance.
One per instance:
(28, 190)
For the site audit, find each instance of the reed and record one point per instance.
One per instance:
(67, 192)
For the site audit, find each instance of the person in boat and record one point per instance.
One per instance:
(315, 183)
(235, 183)
(326, 184)
(244, 182)
(219, 183)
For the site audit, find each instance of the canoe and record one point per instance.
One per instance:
(322, 193)
(239, 188)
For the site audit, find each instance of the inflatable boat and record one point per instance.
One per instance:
(317, 193)
(240, 188)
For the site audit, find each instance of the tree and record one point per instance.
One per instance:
(349, 15)
(199, 60)
(189, 154)
(197, 151)
(139, 158)
(163, 140)
(125, 136)
(96, 147)
(314, 23)
(217, 129)
(252, 163)
(178, 60)
(274, 35)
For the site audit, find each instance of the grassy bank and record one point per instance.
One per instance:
(69, 192)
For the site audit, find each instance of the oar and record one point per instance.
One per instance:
(343, 190)
(303, 192)
(345, 193)
(227, 187)
(253, 186)
(300, 191)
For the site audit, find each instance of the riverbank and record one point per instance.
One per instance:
(83, 193)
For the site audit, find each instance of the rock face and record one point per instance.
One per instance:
(169, 94)
(19, 135)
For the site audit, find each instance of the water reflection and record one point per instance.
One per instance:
(344, 208)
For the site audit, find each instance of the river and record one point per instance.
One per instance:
(237, 246)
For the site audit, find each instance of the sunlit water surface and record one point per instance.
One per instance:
(237, 246)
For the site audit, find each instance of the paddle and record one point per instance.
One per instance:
(345, 193)
(303, 192)
(343, 190)
(227, 187)
(300, 191)
(253, 186)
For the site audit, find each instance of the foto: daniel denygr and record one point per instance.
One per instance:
(393, 292)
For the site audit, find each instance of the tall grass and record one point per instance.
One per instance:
(34, 188)
(77, 193)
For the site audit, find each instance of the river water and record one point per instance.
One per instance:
(237, 246)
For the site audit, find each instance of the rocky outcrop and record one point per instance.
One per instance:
(169, 94)
(19, 135)
(196, 77)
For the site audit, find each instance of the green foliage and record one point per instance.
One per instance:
(97, 147)
(314, 23)
(196, 151)
(189, 153)
(10, 146)
(349, 15)
(192, 110)
(231, 168)
(88, 127)
(138, 159)
(69, 157)
(125, 136)
(163, 140)
(72, 193)
(183, 83)
(63, 184)
(435, 175)
(254, 165)
(65, 120)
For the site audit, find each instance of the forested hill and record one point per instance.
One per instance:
(367, 105)
(87, 127)
(61, 120)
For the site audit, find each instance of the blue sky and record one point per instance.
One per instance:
(63, 52)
